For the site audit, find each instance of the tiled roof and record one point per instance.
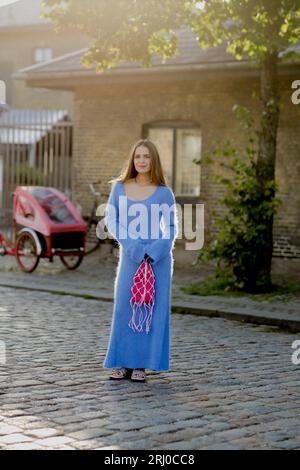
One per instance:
(191, 55)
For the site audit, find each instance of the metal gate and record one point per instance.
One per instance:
(35, 150)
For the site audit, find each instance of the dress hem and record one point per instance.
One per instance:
(137, 367)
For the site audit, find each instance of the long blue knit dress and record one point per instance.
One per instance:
(128, 348)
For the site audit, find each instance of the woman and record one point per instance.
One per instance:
(140, 187)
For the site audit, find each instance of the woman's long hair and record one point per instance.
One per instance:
(156, 173)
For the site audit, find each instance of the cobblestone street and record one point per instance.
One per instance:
(231, 385)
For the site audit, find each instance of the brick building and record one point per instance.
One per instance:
(28, 39)
(182, 105)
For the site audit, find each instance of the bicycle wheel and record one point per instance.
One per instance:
(92, 241)
(71, 262)
(26, 252)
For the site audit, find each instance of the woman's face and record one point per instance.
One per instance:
(142, 159)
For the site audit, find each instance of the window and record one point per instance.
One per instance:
(178, 144)
(41, 54)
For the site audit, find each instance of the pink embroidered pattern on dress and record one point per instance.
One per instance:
(143, 295)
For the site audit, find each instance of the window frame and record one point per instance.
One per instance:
(174, 125)
(42, 48)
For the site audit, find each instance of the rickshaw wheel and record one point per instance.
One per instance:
(71, 262)
(26, 249)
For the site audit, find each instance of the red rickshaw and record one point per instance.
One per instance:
(45, 224)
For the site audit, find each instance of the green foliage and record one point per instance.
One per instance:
(249, 208)
(120, 29)
(219, 283)
(252, 27)
(137, 30)
(222, 283)
(27, 174)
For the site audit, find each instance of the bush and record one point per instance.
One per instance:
(250, 206)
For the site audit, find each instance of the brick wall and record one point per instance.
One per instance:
(108, 119)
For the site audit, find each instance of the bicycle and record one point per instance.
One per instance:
(93, 242)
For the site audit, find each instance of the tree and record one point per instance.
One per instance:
(120, 29)
(262, 30)
(137, 30)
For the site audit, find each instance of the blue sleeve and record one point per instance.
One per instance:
(133, 247)
(161, 247)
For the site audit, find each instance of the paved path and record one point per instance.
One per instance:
(231, 386)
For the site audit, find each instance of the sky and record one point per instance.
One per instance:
(6, 2)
